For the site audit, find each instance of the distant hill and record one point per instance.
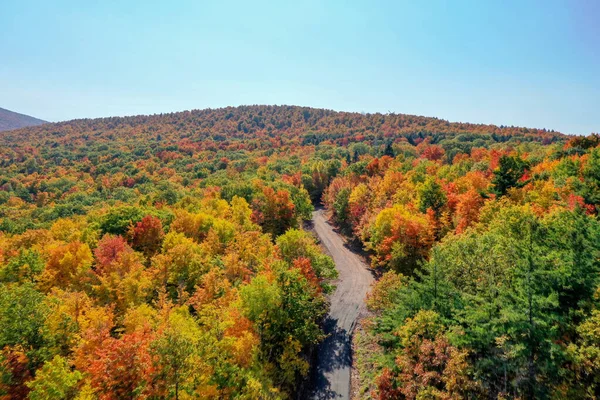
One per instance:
(262, 126)
(12, 120)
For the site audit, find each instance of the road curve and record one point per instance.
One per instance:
(331, 374)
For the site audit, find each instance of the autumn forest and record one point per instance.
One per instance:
(170, 256)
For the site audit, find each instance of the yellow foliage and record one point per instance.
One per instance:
(67, 266)
(66, 230)
(127, 284)
(138, 318)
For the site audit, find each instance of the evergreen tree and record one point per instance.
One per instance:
(508, 174)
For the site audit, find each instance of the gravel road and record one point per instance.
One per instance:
(331, 375)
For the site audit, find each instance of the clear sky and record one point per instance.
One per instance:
(528, 63)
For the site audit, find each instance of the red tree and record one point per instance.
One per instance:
(147, 235)
(121, 367)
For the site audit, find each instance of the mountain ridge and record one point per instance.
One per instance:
(284, 121)
(10, 120)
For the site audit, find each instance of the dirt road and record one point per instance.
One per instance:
(331, 376)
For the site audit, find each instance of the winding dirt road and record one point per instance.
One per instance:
(331, 375)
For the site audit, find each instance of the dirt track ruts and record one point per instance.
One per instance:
(331, 375)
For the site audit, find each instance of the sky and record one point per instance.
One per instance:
(525, 63)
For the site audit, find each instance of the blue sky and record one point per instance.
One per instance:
(528, 63)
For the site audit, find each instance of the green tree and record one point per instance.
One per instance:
(22, 316)
(286, 314)
(118, 220)
(508, 174)
(591, 176)
(176, 353)
(55, 380)
(431, 196)
(25, 267)
(340, 206)
(514, 292)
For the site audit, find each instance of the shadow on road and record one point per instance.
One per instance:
(333, 353)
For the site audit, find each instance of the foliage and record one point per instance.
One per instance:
(162, 256)
(54, 380)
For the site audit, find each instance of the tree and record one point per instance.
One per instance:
(241, 212)
(22, 315)
(68, 266)
(176, 358)
(108, 251)
(181, 264)
(431, 196)
(585, 356)
(147, 235)
(508, 174)
(25, 267)
(428, 366)
(15, 372)
(336, 198)
(400, 238)
(591, 176)
(286, 314)
(274, 211)
(468, 210)
(388, 151)
(514, 291)
(384, 294)
(55, 380)
(297, 244)
(118, 220)
(120, 368)
(358, 204)
(123, 278)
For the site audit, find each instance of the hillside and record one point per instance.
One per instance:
(289, 124)
(12, 120)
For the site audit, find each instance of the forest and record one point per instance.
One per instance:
(164, 256)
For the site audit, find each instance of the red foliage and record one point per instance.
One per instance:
(386, 387)
(495, 159)
(295, 179)
(274, 210)
(17, 364)
(526, 176)
(303, 264)
(373, 167)
(468, 210)
(433, 152)
(452, 199)
(108, 251)
(575, 202)
(147, 235)
(428, 366)
(128, 182)
(121, 367)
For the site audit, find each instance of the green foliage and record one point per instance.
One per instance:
(591, 176)
(55, 380)
(118, 220)
(513, 292)
(508, 174)
(295, 244)
(340, 206)
(431, 196)
(25, 267)
(22, 317)
(286, 314)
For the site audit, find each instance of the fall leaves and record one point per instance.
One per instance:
(119, 306)
(163, 256)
